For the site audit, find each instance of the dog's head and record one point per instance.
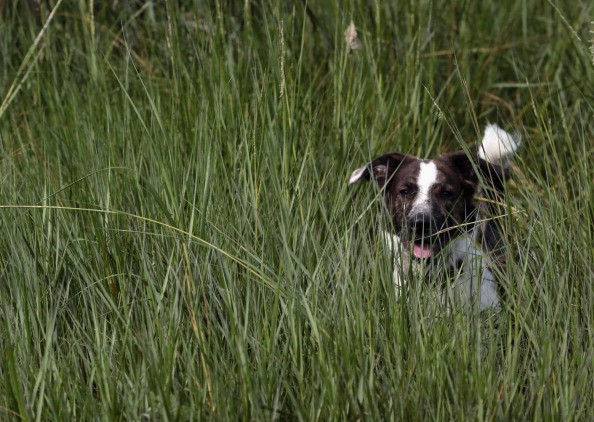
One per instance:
(431, 202)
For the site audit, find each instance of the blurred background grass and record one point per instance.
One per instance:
(179, 241)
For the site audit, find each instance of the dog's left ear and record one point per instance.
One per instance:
(382, 169)
(474, 170)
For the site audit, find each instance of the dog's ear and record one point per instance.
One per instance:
(381, 169)
(474, 170)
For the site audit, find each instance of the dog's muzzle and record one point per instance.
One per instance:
(423, 232)
(425, 225)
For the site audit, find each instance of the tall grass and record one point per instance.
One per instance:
(179, 241)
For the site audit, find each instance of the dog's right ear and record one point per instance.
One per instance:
(381, 169)
(493, 174)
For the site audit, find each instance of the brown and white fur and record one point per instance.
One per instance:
(442, 213)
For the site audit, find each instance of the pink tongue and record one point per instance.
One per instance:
(423, 251)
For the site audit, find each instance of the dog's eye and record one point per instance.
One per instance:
(404, 192)
(446, 193)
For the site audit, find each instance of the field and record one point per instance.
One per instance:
(179, 241)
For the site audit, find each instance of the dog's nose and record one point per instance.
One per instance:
(422, 219)
(423, 223)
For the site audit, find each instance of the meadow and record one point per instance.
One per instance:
(179, 241)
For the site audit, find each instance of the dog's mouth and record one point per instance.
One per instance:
(422, 250)
(428, 246)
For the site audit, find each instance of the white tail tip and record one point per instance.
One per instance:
(498, 146)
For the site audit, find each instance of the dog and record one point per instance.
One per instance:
(444, 215)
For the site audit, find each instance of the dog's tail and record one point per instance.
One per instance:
(498, 146)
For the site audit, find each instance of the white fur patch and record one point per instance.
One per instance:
(394, 245)
(498, 146)
(426, 179)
